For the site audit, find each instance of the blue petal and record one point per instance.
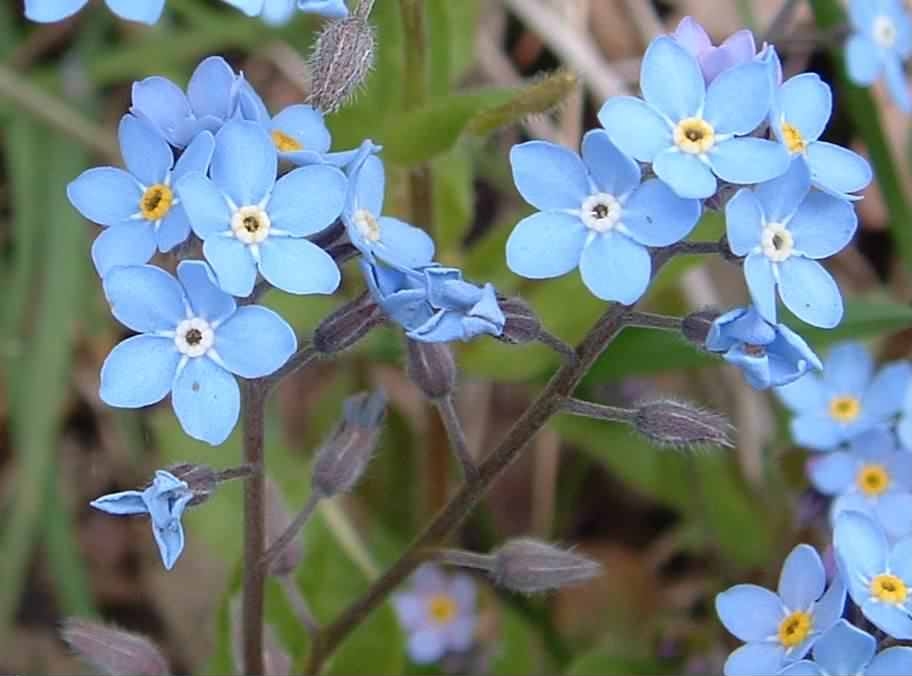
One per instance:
(305, 125)
(655, 216)
(403, 244)
(147, 155)
(613, 172)
(805, 102)
(804, 395)
(833, 473)
(211, 88)
(426, 646)
(207, 300)
(615, 268)
(249, 7)
(756, 370)
(739, 99)
(894, 512)
(863, 62)
(744, 222)
(635, 127)
(255, 342)
(549, 176)
(147, 11)
(204, 205)
(782, 196)
(836, 169)
(803, 579)
(164, 105)
(897, 84)
(298, 266)
(685, 174)
(139, 371)
(331, 9)
(895, 661)
(233, 264)
(307, 200)
(810, 292)
(862, 550)
(367, 181)
(170, 539)
(748, 160)
(671, 79)
(862, 14)
(196, 156)
(899, 464)
(174, 229)
(892, 619)
(48, 11)
(877, 444)
(277, 12)
(105, 195)
(145, 298)
(848, 369)
(546, 245)
(755, 658)
(830, 606)
(123, 503)
(844, 649)
(127, 244)
(244, 163)
(816, 431)
(901, 559)
(886, 394)
(206, 400)
(823, 225)
(758, 273)
(802, 668)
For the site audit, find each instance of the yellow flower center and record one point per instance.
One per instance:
(284, 142)
(442, 608)
(367, 225)
(694, 135)
(844, 408)
(889, 589)
(872, 480)
(794, 141)
(156, 202)
(795, 628)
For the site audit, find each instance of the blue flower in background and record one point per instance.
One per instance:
(433, 303)
(879, 577)
(847, 400)
(594, 214)
(278, 12)
(250, 222)
(801, 111)
(437, 612)
(690, 133)
(164, 501)
(904, 427)
(783, 227)
(193, 341)
(846, 649)
(47, 11)
(779, 628)
(767, 354)
(736, 49)
(871, 476)
(880, 42)
(138, 207)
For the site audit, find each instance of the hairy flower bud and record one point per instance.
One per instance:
(201, 480)
(695, 326)
(432, 368)
(278, 519)
(681, 425)
(112, 651)
(342, 460)
(342, 58)
(347, 325)
(529, 566)
(522, 324)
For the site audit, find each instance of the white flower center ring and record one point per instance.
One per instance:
(194, 337)
(777, 242)
(601, 212)
(367, 225)
(694, 135)
(884, 32)
(250, 224)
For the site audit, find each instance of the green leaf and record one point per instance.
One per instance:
(600, 662)
(536, 98)
(451, 27)
(864, 318)
(515, 651)
(454, 202)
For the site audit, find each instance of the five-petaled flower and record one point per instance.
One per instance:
(783, 227)
(595, 214)
(880, 42)
(879, 577)
(193, 341)
(164, 500)
(846, 649)
(47, 11)
(779, 628)
(138, 207)
(768, 354)
(692, 133)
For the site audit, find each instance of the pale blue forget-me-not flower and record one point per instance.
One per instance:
(783, 228)
(138, 207)
(878, 575)
(692, 133)
(768, 354)
(595, 214)
(847, 400)
(164, 500)
(250, 222)
(846, 649)
(881, 40)
(779, 628)
(278, 12)
(47, 11)
(872, 476)
(193, 340)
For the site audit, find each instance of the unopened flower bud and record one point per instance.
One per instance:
(681, 425)
(347, 325)
(342, 58)
(342, 460)
(432, 368)
(112, 651)
(529, 566)
(696, 325)
(522, 324)
(278, 520)
(201, 480)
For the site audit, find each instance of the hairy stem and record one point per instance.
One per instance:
(647, 320)
(563, 349)
(281, 542)
(303, 357)
(464, 559)
(699, 248)
(450, 419)
(239, 472)
(601, 411)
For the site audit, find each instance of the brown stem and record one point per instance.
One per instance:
(281, 542)
(450, 419)
(589, 409)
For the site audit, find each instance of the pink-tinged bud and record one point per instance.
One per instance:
(343, 56)
(681, 425)
(529, 566)
(522, 324)
(696, 325)
(347, 325)
(278, 519)
(112, 651)
(432, 368)
(738, 48)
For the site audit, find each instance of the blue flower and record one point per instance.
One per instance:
(278, 12)
(780, 628)
(376, 236)
(881, 41)
(736, 49)
(801, 110)
(595, 214)
(871, 476)
(248, 221)
(138, 207)
(768, 354)
(845, 649)
(437, 612)
(690, 133)
(904, 427)
(164, 500)
(879, 577)
(47, 11)
(433, 303)
(783, 228)
(192, 339)
(847, 401)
